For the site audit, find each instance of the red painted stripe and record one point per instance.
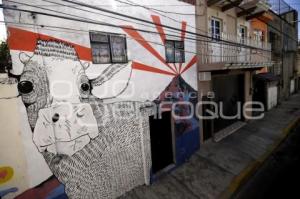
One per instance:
(141, 40)
(159, 28)
(41, 191)
(143, 67)
(24, 40)
(190, 64)
(183, 30)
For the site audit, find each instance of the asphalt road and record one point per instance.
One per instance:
(279, 177)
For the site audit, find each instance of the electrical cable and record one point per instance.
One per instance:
(219, 41)
(165, 26)
(245, 10)
(78, 31)
(157, 10)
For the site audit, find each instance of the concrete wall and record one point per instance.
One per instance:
(54, 55)
(284, 52)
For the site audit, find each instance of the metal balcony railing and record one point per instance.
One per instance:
(221, 52)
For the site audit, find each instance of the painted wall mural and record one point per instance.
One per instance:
(6, 174)
(98, 146)
(92, 152)
(13, 179)
(186, 130)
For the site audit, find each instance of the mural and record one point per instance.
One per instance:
(6, 174)
(92, 151)
(96, 149)
(186, 130)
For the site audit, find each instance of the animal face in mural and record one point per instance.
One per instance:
(53, 87)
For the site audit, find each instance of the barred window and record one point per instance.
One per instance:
(108, 48)
(175, 51)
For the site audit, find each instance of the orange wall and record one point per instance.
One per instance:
(259, 25)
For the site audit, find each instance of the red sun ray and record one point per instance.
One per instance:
(190, 64)
(140, 66)
(159, 28)
(141, 40)
(17, 41)
(183, 31)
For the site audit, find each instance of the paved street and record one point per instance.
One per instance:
(219, 169)
(278, 177)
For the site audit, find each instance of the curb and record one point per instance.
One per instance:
(247, 172)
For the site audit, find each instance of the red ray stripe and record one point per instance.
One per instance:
(140, 66)
(183, 31)
(190, 64)
(140, 39)
(24, 40)
(159, 28)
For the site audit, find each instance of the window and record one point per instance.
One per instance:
(108, 48)
(175, 51)
(215, 27)
(259, 35)
(243, 34)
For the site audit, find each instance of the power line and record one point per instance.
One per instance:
(245, 10)
(109, 5)
(114, 18)
(129, 28)
(82, 19)
(154, 9)
(95, 13)
(202, 30)
(165, 26)
(76, 31)
(101, 14)
(30, 5)
(76, 7)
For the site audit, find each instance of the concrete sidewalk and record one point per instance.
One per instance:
(217, 170)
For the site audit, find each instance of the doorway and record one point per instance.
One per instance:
(161, 136)
(229, 90)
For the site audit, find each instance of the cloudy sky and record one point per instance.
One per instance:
(294, 3)
(2, 26)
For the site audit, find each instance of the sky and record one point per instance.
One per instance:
(293, 3)
(2, 26)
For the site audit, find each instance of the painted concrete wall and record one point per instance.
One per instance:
(286, 53)
(46, 50)
(13, 165)
(272, 92)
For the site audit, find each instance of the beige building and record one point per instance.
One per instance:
(228, 59)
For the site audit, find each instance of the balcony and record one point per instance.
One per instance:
(248, 8)
(223, 56)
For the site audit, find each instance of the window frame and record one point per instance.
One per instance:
(174, 51)
(259, 35)
(213, 28)
(109, 43)
(243, 37)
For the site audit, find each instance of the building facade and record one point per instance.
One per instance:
(93, 79)
(113, 94)
(226, 70)
(283, 35)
